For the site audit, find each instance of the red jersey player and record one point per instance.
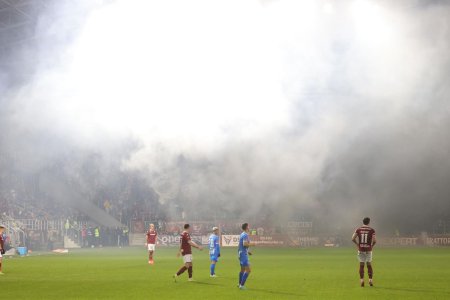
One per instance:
(186, 251)
(151, 242)
(2, 249)
(366, 241)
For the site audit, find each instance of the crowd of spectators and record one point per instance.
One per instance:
(87, 235)
(123, 195)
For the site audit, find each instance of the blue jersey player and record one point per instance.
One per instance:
(214, 250)
(244, 244)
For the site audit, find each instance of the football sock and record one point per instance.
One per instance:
(213, 267)
(240, 277)
(370, 271)
(361, 271)
(244, 278)
(190, 271)
(181, 271)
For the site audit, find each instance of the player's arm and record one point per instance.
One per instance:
(193, 244)
(247, 243)
(217, 248)
(374, 240)
(355, 235)
(180, 250)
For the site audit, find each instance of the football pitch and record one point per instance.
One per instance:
(317, 273)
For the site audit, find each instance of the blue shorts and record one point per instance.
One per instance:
(243, 259)
(213, 257)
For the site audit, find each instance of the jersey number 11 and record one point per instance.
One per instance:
(364, 238)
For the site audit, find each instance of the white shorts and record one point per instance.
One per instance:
(365, 257)
(187, 258)
(0, 255)
(151, 247)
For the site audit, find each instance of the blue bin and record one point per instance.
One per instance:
(22, 250)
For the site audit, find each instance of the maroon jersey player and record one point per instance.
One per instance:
(151, 242)
(366, 241)
(2, 249)
(186, 251)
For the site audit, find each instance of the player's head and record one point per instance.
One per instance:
(245, 227)
(2, 228)
(152, 226)
(215, 230)
(186, 227)
(366, 221)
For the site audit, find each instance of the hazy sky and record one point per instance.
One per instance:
(339, 109)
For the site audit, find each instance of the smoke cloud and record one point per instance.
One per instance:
(276, 109)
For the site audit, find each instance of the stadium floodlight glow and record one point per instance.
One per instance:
(366, 13)
(328, 8)
(169, 72)
(371, 24)
(177, 72)
(364, 8)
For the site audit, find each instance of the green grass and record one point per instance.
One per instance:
(277, 274)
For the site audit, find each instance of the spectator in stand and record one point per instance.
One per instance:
(90, 236)
(105, 236)
(97, 236)
(125, 236)
(260, 231)
(83, 236)
(119, 236)
(107, 206)
(67, 227)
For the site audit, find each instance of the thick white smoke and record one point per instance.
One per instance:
(298, 104)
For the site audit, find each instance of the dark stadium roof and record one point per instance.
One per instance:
(21, 29)
(17, 19)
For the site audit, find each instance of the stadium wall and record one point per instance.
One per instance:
(288, 241)
(424, 240)
(166, 239)
(280, 240)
